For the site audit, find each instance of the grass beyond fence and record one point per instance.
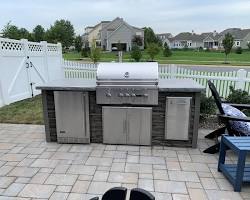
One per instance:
(178, 57)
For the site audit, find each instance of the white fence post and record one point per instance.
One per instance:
(1, 89)
(241, 75)
(173, 71)
(45, 58)
(26, 47)
(61, 59)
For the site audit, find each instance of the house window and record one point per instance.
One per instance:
(237, 43)
(138, 33)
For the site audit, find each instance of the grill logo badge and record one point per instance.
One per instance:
(126, 74)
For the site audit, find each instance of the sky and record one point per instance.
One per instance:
(163, 16)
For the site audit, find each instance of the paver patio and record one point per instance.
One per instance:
(30, 168)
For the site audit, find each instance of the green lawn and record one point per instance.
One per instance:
(28, 111)
(178, 57)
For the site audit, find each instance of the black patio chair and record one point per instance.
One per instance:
(95, 198)
(140, 194)
(116, 193)
(225, 119)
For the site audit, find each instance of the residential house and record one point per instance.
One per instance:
(187, 40)
(211, 40)
(91, 35)
(111, 34)
(165, 38)
(241, 37)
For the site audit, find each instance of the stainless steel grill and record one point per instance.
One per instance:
(127, 83)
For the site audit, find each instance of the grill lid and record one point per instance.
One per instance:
(147, 71)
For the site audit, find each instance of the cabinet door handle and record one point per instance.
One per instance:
(127, 129)
(84, 113)
(125, 126)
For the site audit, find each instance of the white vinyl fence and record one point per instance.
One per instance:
(238, 78)
(23, 65)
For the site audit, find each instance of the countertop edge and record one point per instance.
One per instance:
(94, 89)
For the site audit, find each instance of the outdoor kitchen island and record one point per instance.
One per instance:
(72, 115)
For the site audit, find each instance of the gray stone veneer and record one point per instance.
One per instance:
(95, 118)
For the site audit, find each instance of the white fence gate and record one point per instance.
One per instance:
(23, 65)
(239, 79)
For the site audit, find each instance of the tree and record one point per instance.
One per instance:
(11, 31)
(24, 33)
(185, 48)
(166, 50)
(62, 31)
(78, 43)
(150, 37)
(248, 45)
(152, 50)
(95, 54)
(136, 53)
(227, 43)
(38, 33)
(137, 40)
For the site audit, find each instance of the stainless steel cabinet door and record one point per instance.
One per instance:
(114, 125)
(139, 123)
(72, 120)
(177, 118)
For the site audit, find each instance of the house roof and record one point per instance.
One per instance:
(237, 33)
(167, 35)
(213, 35)
(189, 36)
(94, 27)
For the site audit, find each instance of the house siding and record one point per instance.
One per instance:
(245, 41)
(104, 32)
(123, 34)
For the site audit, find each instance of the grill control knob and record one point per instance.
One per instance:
(121, 95)
(108, 94)
(127, 94)
(133, 95)
(145, 95)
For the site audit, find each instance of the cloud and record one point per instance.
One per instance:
(162, 15)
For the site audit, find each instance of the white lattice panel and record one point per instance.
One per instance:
(52, 48)
(11, 46)
(35, 47)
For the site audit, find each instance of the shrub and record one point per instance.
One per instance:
(248, 45)
(85, 52)
(238, 50)
(166, 50)
(95, 54)
(152, 50)
(208, 106)
(240, 97)
(207, 50)
(136, 53)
